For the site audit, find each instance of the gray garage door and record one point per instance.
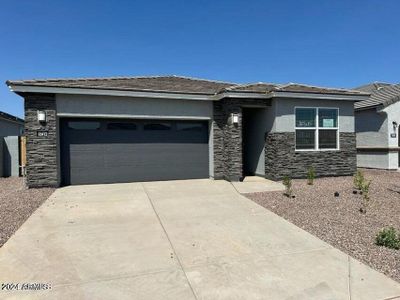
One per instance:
(109, 151)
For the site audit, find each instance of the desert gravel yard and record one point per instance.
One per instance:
(17, 203)
(338, 221)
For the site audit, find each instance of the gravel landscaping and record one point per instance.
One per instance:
(17, 203)
(338, 221)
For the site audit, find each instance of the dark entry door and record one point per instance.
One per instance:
(110, 151)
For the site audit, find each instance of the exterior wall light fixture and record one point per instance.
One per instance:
(41, 115)
(235, 119)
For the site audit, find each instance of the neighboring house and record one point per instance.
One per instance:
(377, 127)
(10, 125)
(10, 128)
(104, 130)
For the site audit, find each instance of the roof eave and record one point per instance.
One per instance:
(23, 88)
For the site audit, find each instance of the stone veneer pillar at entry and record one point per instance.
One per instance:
(41, 151)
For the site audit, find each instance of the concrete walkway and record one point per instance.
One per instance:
(195, 239)
(256, 184)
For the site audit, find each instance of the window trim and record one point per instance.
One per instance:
(316, 129)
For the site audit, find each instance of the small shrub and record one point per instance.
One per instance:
(388, 237)
(287, 182)
(358, 180)
(366, 201)
(310, 175)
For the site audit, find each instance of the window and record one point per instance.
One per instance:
(316, 128)
(157, 126)
(305, 139)
(189, 126)
(84, 125)
(121, 126)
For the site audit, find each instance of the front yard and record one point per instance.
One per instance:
(17, 203)
(338, 221)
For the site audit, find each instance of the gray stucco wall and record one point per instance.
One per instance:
(393, 115)
(371, 128)
(9, 128)
(373, 159)
(375, 128)
(98, 106)
(11, 156)
(285, 118)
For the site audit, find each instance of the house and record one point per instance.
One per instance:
(11, 128)
(377, 127)
(104, 130)
(10, 125)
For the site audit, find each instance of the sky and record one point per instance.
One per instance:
(339, 43)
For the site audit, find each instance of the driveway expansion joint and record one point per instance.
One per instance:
(170, 242)
(349, 276)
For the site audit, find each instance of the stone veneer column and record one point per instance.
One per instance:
(282, 160)
(41, 152)
(218, 141)
(233, 142)
(227, 141)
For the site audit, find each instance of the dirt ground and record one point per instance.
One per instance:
(338, 221)
(17, 203)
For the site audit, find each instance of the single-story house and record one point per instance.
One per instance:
(377, 127)
(105, 130)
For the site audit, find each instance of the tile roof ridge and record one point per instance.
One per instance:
(317, 86)
(84, 78)
(238, 86)
(200, 79)
(119, 78)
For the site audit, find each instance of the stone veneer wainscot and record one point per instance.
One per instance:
(281, 159)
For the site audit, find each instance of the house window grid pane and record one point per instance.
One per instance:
(327, 114)
(305, 117)
(317, 128)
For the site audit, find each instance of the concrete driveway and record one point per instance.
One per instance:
(195, 239)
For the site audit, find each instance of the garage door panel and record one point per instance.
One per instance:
(82, 156)
(157, 155)
(129, 174)
(108, 156)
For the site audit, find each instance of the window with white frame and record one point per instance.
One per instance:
(317, 128)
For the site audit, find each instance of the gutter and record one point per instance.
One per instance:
(12, 121)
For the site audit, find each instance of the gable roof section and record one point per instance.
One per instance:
(372, 87)
(208, 89)
(383, 95)
(261, 87)
(8, 117)
(172, 84)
